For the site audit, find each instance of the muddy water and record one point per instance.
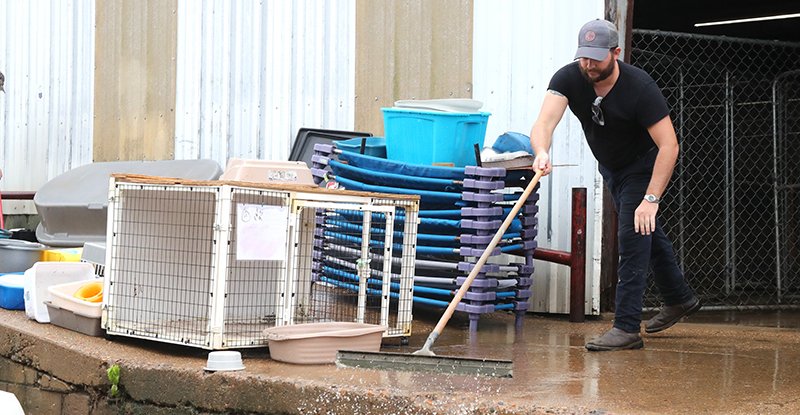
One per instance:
(718, 363)
(691, 368)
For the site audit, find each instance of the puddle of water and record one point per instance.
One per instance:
(689, 368)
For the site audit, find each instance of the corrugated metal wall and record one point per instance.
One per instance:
(518, 45)
(251, 73)
(135, 80)
(410, 49)
(47, 56)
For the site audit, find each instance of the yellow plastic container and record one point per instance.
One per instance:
(90, 291)
(62, 255)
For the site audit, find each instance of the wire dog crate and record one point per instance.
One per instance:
(213, 264)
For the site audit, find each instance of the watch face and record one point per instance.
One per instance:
(651, 198)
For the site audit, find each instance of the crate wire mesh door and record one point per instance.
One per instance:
(362, 267)
(212, 266)
(732, 207)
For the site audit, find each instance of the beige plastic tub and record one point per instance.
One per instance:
(268, 171)
(317, 343)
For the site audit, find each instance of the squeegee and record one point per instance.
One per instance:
(424, 359)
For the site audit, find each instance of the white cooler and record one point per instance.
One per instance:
(45, 274)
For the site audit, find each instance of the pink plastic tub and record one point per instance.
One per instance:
(317, 343)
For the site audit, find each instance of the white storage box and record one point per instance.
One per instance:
(95, 254)
(62, 296)
(46, 274)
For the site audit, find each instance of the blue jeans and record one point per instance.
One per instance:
(637, 252)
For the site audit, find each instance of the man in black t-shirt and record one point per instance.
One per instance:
(626, 122)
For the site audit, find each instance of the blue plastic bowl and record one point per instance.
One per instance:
(375, 146)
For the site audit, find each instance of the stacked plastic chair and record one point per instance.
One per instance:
(461, 209)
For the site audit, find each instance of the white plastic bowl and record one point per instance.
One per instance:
(224, 361)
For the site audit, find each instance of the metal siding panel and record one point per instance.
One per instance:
(82, 62)
(279, 50)
(300, 63)
(135, 104)
(46, 113)
(411, 50)
(187, 100)
(250, 74)
(537, 38)
(248, 127)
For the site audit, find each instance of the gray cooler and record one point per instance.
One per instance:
(73, 206)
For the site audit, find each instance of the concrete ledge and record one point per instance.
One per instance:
(743, 368)
(54, 370)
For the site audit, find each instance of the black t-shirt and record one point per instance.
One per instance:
(634, 103)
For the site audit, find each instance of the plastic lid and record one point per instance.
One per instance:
(21, 245)
(13, 280)
(446, 105)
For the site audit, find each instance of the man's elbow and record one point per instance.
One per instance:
(669, 150)
(673, 147)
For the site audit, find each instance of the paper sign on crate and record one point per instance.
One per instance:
(261, 232)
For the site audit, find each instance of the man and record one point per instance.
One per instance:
(626, 123)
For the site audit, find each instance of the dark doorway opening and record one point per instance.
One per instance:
(682, 15)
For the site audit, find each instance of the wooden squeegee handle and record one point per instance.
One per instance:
(486, 254)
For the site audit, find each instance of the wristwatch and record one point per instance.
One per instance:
(652, 198)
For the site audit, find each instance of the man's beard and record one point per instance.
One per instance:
(602, 76)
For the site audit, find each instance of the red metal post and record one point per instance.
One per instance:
(552, 255)
(577, 265)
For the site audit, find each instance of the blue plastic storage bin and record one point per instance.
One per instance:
(12, 291)
(375, 146)
(433, 137)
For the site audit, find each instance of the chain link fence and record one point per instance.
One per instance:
(733, 207)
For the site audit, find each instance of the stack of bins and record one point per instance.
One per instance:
(461, 210)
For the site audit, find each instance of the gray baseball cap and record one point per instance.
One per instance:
(596, 38)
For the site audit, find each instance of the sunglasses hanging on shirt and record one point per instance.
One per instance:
(597, 112)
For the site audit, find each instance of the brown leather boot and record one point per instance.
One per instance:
(615, 339)
(671, 314)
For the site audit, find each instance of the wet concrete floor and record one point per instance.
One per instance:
(716, 362)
